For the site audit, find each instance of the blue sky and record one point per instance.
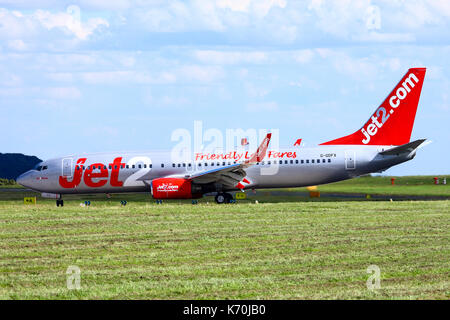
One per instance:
(101, 75)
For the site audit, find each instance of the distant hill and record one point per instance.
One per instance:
(13, 165)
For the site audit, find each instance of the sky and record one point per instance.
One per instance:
(102, 75)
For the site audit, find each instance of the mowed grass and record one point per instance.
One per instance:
(289, 250)
(405, 185)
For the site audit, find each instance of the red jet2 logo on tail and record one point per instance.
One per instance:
(394, 102)
(393, 120)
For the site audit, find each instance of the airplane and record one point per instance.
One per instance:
(382, 142)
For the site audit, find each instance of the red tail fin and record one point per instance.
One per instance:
(392, 122)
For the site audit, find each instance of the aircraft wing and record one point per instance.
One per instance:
(230, 176)
(405, 148)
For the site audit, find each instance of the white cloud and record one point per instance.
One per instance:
(17, 44)
(260, 8)
(304, 56)
(358, 68)
(384, 37)
(262, 106)
(234, 5)
(117, 5)
(187, 73)
(10, 80)
(11, 92)
(230, 57)
(63, 93)
(255, 92)
(18, 26)
(60, 76)
(201, 73)
(70, 21)
(165, 101)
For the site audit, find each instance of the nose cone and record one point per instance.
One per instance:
(24, 179)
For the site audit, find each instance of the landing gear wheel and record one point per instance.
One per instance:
(228, 198)
(223, 198)
(60, 202)
(220, 198)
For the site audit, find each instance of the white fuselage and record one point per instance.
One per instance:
(133, 172)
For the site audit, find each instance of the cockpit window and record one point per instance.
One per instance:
(40, 167)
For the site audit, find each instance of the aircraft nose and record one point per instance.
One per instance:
(24, 179)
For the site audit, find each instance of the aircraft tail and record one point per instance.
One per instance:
(393, 120)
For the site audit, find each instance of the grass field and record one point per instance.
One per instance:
(407, 185)
(284, 250)
(404, 185)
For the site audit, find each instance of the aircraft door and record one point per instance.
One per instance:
(350, 161)
(67, 167)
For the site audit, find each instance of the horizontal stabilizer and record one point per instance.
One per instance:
(406, 148)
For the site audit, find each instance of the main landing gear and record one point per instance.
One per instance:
(59, 202)
(223, 197)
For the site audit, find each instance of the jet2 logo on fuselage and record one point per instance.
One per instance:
(101, 174)
(394, 101)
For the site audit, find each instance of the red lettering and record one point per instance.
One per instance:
(63, 182)
(89, 175)
(116, 165)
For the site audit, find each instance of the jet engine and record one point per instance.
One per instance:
(175, 188)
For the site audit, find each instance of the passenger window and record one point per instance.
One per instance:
(133, 166)
(184, 164)
(206, 164)
(189, 165)
(312, 161)
(307, 161)
(150, 165)
(173, 165)
(145, 165)
(281, 161)
(139, 166)
(212, 164)
(262, 163)
(110, 167)
(292, 161)
(162, 165)
(296, 161)
(179, 165)
(329, 160)
(323, 160)
(127, 166)
(318, 160)
(199, 164)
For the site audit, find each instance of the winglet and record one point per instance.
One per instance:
(260, 153)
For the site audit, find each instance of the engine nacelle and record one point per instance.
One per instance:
(174, 188)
